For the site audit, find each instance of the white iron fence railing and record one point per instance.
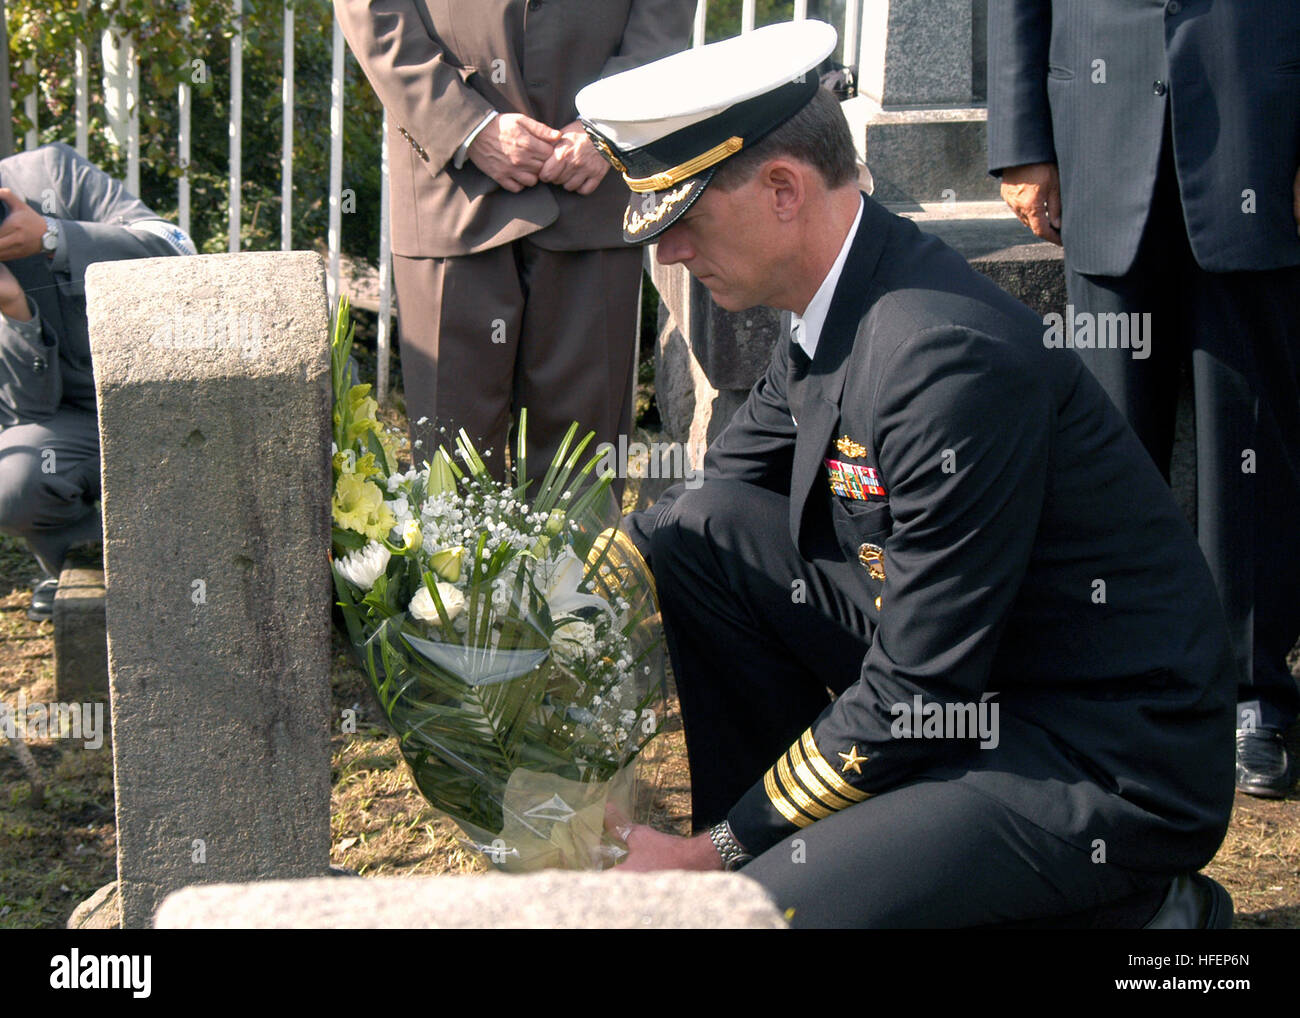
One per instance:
(122, 94)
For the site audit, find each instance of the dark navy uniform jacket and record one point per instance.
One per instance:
(1032, 556)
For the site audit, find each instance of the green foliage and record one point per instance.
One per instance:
(724, 15)
(723, 20)
(46, 32)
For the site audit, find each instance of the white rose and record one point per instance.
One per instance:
(365, 565)
(423, 608)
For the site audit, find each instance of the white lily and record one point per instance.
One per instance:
(563, 576)
(365, 565)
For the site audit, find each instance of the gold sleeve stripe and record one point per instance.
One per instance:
(813, 783)
(782, 804)
(801, 798)
(826, 772)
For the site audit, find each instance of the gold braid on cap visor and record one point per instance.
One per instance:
(638, 222)
(687, 169)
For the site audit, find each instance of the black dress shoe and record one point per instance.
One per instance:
(1262, 764)
(1194, 902)
(42, 606)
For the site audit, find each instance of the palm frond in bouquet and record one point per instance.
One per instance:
(510, 632)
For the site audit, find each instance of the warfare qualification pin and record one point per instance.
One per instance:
(850, 448)
(873, 557)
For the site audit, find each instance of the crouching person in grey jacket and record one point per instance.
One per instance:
(61, 213)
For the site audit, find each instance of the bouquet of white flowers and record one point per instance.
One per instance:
(512, 636)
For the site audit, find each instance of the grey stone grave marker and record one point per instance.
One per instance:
(214, 407)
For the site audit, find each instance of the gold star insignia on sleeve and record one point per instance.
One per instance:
(850, 448)
(852, 760)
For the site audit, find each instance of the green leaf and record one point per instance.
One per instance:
(349, 539)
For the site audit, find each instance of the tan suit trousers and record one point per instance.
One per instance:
(483, 335)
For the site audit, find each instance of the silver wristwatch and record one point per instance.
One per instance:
(50, 240)
(732, 852)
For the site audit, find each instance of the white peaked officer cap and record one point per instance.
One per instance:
(667, 125)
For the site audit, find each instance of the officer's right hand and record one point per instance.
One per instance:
(1034, 193)
(512, 150)
(649, 850)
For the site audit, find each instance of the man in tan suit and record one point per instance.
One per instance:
(514, 284)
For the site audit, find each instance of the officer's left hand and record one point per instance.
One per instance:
(575, 165)
(22, 230)
(649, 850)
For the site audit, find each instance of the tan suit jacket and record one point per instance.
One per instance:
(439, 66)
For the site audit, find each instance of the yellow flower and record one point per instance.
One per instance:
(412, 536)
(362, 414)
(346, 461)
(359, 505)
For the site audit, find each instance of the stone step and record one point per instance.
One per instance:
(989, 236)
(80, 637)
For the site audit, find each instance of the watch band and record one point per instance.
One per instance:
(732, 852)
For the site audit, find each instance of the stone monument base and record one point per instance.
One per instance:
(552, 899)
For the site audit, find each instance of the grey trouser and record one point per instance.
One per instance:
(49, 481)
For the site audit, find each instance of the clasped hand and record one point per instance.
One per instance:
(517, 151)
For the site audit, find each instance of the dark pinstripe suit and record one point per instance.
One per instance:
(1176, 128)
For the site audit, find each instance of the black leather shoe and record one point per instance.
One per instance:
(42, 606)
(1194, 902)
(1262, 764)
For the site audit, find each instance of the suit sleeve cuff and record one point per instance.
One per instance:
(29, 330)
(59, 260)
(801, 788)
